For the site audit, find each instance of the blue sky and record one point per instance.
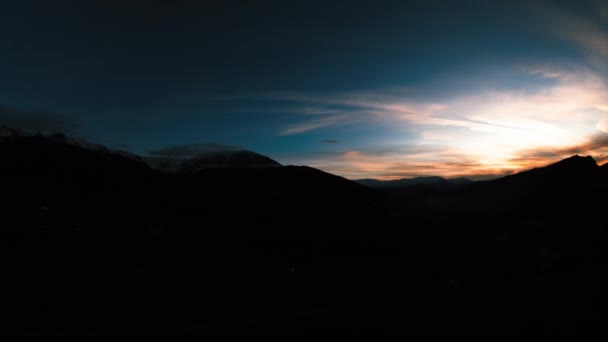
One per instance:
(358, 88)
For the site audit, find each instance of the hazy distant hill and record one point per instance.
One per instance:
(227, 159)
(208, 160)
(406, 196)
(433, 181)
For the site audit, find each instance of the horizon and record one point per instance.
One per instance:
(361, 90)
(159, 155)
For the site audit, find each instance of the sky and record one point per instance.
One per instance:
(362, 89)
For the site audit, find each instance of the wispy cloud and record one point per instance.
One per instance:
(544, 110)
(357, 164)
(595, 146)
(571, 96)
(484, 132)
(589, 33)
(317, 123)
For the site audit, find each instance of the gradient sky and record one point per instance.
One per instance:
(357, 88)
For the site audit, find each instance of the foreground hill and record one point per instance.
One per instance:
(49, 182)
(54, 185)
(575, 183)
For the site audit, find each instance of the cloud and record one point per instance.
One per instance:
(191, 150)
(537, 113)
(329, 141)
(476, 134)
(395, 162)
(602, 125)
(37, 121)
(588, 32)
(356, 164)
(595, 146)
(317, 123)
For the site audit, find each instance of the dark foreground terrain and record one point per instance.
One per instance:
(96, 243)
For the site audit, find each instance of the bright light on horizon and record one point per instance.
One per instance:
(491, 132)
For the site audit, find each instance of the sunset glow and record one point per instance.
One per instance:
(415, 89)
(489, 132)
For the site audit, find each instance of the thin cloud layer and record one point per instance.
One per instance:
(595, 146)
(355, 164)
(525, 115)
(589, 33)
(493, 128)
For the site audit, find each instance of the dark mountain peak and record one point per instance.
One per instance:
(228, 159)
(569, 183)
(572, 170)
(576, 161)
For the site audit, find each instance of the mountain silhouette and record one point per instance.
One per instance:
(570, 183)
(50, 182)
(100, 243)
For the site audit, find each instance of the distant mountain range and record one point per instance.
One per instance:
(433, 181)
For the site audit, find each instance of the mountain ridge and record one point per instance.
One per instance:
(416, 181)
(571, 182)
(77, 183)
